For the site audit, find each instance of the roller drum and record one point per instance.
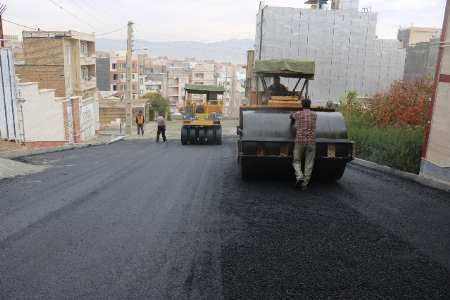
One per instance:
(277, 126)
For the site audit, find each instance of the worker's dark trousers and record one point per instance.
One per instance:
(161, 130)
(140, 129)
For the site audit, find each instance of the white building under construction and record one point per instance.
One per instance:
(342, 41)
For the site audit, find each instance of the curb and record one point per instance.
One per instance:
(119, 138)
(19, 154)
(422, 180)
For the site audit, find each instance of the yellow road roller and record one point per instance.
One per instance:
(202, 115)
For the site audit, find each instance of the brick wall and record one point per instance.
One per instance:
(43, 51)
(48, 77)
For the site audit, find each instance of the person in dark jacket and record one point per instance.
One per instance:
(161, 122)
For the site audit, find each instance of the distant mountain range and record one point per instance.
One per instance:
(234, 51)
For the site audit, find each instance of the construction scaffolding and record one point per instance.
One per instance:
(342, 42)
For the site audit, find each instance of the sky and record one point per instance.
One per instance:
(192, 20)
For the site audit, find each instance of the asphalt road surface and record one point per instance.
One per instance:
(139, 220)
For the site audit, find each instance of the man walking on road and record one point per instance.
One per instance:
(305, 143)
(140, 121)
(161, 122)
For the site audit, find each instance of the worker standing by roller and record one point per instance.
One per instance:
(305, 144)
(161, 122)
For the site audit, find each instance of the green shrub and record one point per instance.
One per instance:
(395, 147)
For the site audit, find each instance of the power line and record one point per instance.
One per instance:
(105, 10)
(70, 13)
(112, 31)
(89, 12)
(20, 25)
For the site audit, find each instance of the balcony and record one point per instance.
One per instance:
(87, 60)
(88, 84)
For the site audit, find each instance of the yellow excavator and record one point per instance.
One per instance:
(202, 115)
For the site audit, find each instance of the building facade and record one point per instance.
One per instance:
(103, 67)
(178, 75)
(436, 158)
(341, 41)
(118, 75)
(13, 42)
(60, 60)
(65, 61)
(421, 59)
(232, 79)
(414, 35)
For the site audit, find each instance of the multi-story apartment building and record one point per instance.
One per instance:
(415, 35)
(203, 73)
(178, 74)
(12, 41)
(103, 66)
(421, 59)
(118, 74)
(232, 78)
(152, 83)
(64, 61)
(60, 60)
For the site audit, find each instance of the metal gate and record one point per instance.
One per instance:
(8, 101)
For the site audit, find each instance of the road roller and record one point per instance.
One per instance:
(202, 115)
(266, 133)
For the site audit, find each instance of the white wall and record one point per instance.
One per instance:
(88, 118)
(42, 114)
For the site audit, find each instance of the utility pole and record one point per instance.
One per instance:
(2, 39)
(128, 94)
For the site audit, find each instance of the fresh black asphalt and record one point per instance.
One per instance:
(139, 220)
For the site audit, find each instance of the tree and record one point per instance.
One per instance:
(406, 104)
(157, 104)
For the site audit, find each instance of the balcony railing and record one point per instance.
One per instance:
(88, 84)
(87, 60)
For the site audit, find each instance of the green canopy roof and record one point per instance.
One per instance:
(285, 67)
(203, 89)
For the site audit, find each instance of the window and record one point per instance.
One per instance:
(84, 73)
(68, 55)
(114, 66)
(114, 87)
(198, 75)
(116, 77)
(84, 49)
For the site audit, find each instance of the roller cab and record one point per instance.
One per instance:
(202, 115)
(266, 133)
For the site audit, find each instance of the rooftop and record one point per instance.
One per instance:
(90, 37)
